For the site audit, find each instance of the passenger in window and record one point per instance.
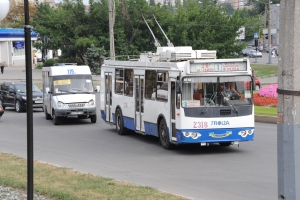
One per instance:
(198, 94)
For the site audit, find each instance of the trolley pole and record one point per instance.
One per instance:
(288, 118)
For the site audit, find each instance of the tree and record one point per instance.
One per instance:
(15, 17)
(94, 58)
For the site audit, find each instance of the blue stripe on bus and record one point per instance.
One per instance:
(103, 116)
(150, 128)
(129, 123)
(215, 135)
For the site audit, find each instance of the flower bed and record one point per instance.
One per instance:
(266, 96)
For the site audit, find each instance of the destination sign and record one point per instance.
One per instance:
(218, 67)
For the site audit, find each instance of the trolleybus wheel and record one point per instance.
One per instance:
(164, 136)
(225, 144)
(119, 123)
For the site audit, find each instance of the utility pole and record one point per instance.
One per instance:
(111, 16)
(29, 113)
(269, 32)
(288, 119)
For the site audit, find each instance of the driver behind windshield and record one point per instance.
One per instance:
(228, 91)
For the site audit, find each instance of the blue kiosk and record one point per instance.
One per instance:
(12, 49)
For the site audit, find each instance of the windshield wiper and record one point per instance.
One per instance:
(231, 105)
(210, 102)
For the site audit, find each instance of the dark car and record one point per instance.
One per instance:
(63, 64)
(13, 94)
(1, 111)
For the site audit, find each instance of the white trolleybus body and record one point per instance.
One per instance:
(68, 91)
(177, 95)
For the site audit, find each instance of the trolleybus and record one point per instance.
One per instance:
(181, 96)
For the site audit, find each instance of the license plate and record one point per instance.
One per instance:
(38, 102)
(76, 113)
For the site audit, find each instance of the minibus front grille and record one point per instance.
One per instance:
(225, 112)
(76, 105)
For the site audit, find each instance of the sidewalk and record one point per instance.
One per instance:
(18, 73)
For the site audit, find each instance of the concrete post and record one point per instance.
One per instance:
(269, 31)
(111, 15)
(288, 121)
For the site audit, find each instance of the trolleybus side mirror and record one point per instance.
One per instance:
(178, 87)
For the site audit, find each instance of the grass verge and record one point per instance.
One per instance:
(67, 184)
(265, 70)
(264, 110)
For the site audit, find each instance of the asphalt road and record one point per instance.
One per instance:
(264, 59)
(246, 172)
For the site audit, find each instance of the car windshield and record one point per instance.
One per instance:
(22, 88)
(73, 84)
(216, 91)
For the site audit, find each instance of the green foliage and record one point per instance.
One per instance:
(49, 62)
(40, 66)
(200, 25)
(94, 58)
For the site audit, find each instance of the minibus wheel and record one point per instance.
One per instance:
(47, 115)
(55, 119)
(119, 123)
(163, 135)
(93, 118)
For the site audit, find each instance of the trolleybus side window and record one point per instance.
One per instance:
(162, 86)
(119, 81)
(150, 84)
(129, 82)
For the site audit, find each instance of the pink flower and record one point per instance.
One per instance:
(269, 91)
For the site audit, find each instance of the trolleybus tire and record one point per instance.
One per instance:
(163, 135)
(47, 115)
(225, 144)
(93, 118)
(119, 123)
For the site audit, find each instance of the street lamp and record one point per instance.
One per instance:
(4, 8)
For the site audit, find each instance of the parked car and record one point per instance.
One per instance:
(1, 111)
(256, 83)
(273, 47)
(13, 94)
(245, 52)
(255, 54)
(63, 64)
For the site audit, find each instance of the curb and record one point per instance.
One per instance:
(265, 119)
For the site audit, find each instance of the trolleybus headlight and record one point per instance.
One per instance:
(186, 134)
(91, 103)
(60, 104)
(194, 135)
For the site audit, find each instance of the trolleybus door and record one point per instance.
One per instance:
(139, 103)
(108, 91)
(173, 108)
